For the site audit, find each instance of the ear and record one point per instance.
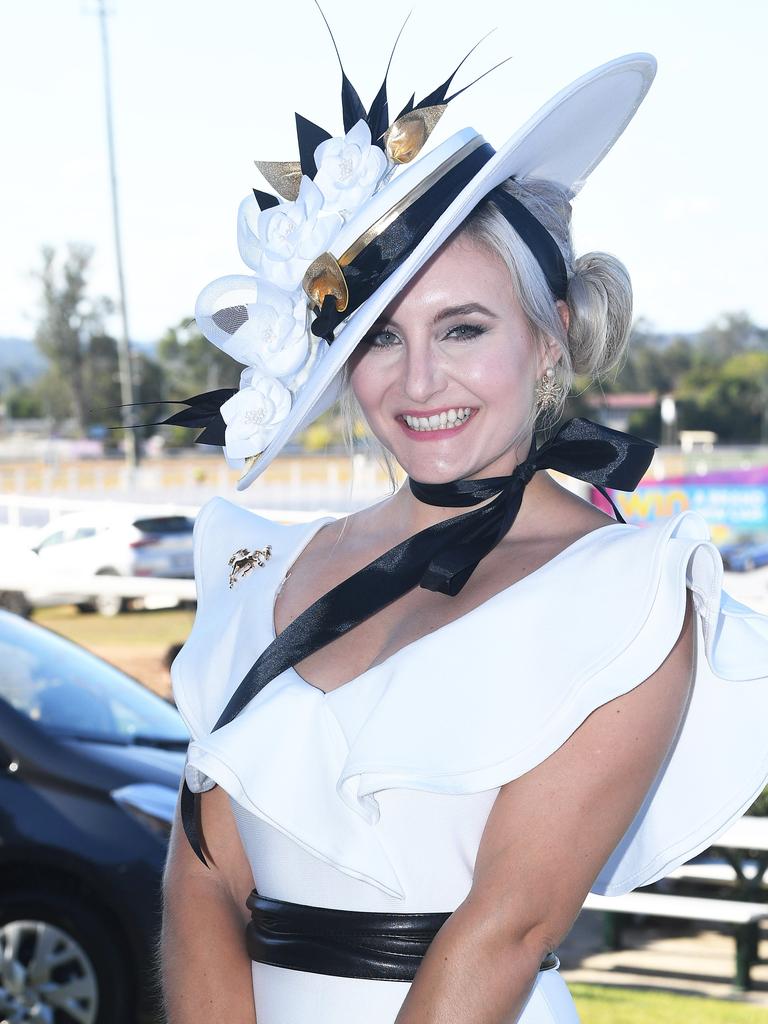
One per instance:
(550, 352)
(565, 314)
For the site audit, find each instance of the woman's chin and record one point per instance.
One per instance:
(443, 468)
(434, 469)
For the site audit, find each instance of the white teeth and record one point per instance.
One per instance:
(438, 421)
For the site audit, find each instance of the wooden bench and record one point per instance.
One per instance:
(743, 917)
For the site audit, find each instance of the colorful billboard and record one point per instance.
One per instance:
(734, 502)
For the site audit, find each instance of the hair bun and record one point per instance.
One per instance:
(600, 301)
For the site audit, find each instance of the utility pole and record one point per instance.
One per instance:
(123, 341)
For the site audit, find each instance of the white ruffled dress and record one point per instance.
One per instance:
(374, 796)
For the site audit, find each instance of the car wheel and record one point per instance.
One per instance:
(749, 564)
(59, 963)
(86, 607)
(14, 601)
(109, 604)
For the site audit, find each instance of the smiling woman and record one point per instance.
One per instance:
(446, 381)
(423, 733)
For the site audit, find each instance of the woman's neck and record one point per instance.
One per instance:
(423, 504)
(403, 514)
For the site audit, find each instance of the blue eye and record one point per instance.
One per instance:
(465, 332)
(381, 339)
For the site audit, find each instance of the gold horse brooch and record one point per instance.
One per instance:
(244, 560)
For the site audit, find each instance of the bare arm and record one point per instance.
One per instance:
(206, 971)
(547, 837)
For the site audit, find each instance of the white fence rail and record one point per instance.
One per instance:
(338, 482)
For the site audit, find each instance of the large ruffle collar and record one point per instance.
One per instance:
(481, 700)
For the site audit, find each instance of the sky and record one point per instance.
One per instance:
(201, 88)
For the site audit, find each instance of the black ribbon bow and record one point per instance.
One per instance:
(440, 558)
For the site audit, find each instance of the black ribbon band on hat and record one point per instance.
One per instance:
(440, 558)
(343, 943)
(536, 237)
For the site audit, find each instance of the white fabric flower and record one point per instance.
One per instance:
(318, 348)
(280, 243)
(349, 169)
(274, 337)
(255, 323)
(253, 415)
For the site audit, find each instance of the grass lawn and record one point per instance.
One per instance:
(136, 642)
(603, 1004)
(161, 627)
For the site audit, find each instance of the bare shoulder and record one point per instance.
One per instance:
(336, 551)
(351, 537)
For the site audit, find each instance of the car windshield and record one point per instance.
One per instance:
(165, 524)
(69, 692)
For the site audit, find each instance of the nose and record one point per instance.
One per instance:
(423, 375)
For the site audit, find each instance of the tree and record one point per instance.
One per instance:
(24, 403)
(655, 362)
(193, 364)
(188, 364)
(730, 334)
(69, 322)
(730, 399)
(103, 376)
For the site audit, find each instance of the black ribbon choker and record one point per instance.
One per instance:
(440, 558)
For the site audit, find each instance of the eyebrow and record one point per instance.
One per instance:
(445, 314)
(470, 307)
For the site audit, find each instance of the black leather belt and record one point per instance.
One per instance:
(345, 943)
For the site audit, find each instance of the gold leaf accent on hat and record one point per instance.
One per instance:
(250, 462)
(325, 277)
(405, 139)
(283, 175)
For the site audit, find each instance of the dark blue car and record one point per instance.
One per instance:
(90, 763)
(745, 555)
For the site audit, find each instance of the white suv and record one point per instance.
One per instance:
(120, 542)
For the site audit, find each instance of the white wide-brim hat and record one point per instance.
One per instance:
(562, 143)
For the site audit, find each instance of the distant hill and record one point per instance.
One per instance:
(20, 361)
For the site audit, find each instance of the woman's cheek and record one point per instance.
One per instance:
(372, 375)
(369, 394)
